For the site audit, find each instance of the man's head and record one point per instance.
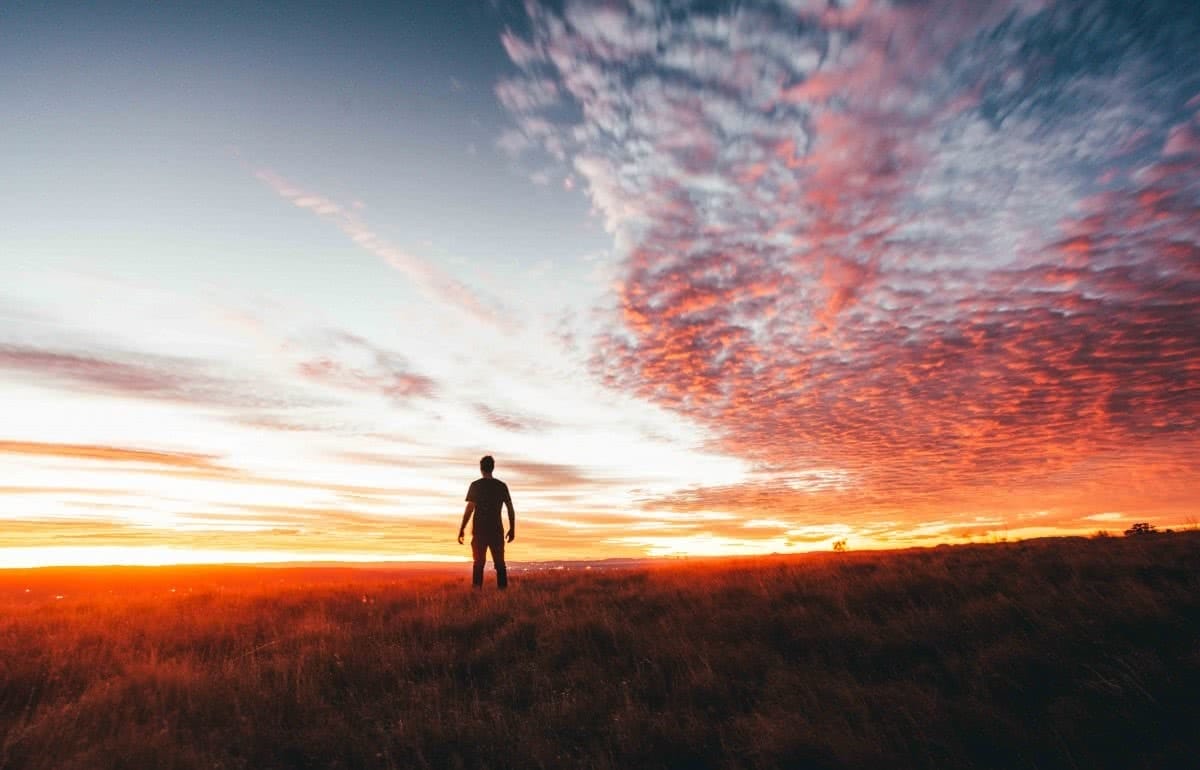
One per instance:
(487, 464)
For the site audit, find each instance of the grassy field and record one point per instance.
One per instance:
(1043, 654)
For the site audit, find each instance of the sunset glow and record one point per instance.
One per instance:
(728, 281)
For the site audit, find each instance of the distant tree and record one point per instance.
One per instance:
(1141, 528)
(1101, 533)
(839, 546)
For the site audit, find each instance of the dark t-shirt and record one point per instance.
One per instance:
(489, 495)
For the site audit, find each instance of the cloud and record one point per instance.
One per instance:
(311, 380)
(522, 475)
(58, 531)
(109, 454)
(427, 277)
(297, 530)
(527, 94)
(55, 490)
(511, 420)
(527, 474)
(566, 482)
(884, 240)
(351, 362)
(142, 375)
(195, 466)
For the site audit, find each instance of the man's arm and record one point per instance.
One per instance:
(512, 516)
(467, 517)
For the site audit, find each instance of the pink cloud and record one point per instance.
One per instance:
(142, 375)
(871, 259)
(343, 360)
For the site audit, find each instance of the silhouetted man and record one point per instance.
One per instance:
(484, 498)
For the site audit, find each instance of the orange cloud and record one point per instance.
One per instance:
(110, 454)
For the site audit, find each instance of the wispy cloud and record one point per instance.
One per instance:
(155, 376)
(109, 454)
(352, 362)
(428, 278)
(511, 420)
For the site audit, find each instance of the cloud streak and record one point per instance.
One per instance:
(155, 376)
(109, 454)
(427, 277)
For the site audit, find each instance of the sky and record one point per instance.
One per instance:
(705, 278)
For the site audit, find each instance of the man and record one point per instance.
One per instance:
(484, 499)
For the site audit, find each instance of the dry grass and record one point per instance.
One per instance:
(1067, 653)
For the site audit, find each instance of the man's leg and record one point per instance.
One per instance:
(479, 551)
(498, 563)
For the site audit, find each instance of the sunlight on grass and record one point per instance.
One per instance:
(966, 657)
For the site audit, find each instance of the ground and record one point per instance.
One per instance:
(1041, 654)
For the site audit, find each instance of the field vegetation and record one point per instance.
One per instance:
(1066, 653)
